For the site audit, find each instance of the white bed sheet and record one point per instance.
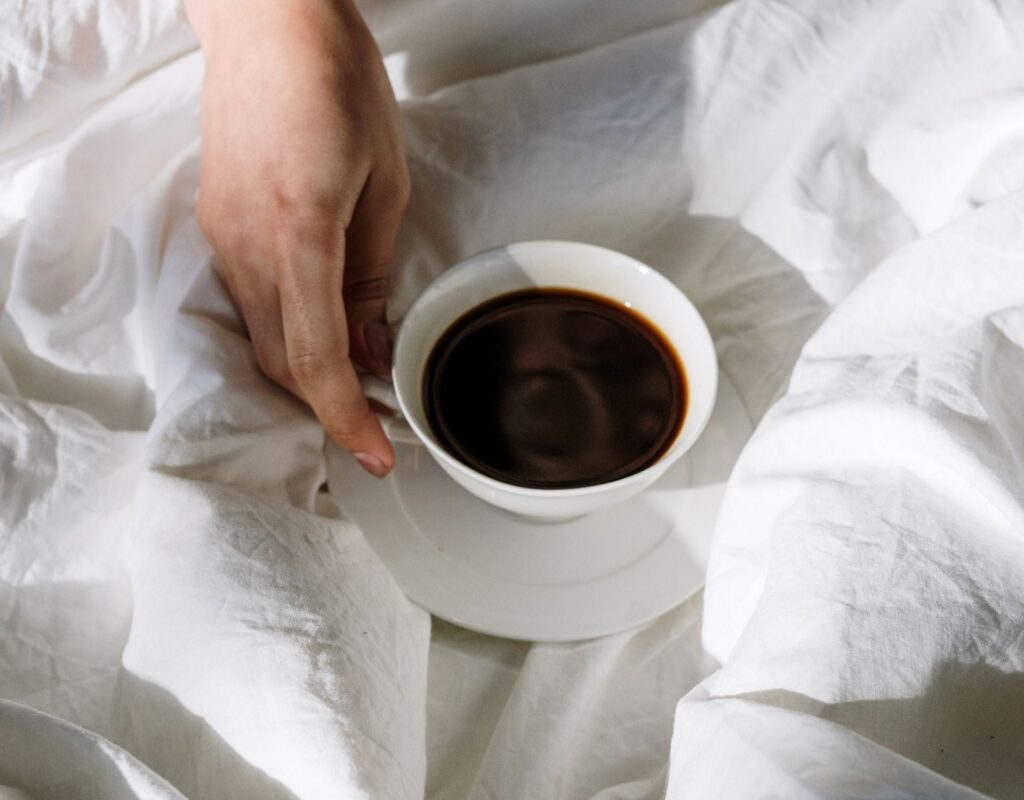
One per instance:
(184, 611)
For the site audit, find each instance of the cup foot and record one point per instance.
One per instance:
(537, 519)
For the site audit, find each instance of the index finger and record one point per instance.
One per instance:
(316, 342)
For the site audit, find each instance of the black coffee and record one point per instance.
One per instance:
(553, 388)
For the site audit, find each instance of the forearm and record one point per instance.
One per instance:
(217, 20)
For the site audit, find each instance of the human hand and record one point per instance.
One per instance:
(302, 187)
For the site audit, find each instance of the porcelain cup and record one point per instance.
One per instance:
(549, 264)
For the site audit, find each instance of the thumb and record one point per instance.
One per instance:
(368, 243)
(369, 335)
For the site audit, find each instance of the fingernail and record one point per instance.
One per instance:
(371, 464)
(378, 344)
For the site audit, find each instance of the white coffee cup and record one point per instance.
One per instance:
(548, 264)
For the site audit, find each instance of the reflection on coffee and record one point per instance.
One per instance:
(554, 388)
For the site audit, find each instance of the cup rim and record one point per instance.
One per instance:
(671, 455)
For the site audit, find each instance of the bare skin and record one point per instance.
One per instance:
(303, 183)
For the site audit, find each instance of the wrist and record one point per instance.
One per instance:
(216, 20)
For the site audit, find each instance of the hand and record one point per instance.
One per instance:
(302, 187)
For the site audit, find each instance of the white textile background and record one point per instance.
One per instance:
(837, 185)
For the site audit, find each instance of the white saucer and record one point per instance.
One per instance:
(485, 569)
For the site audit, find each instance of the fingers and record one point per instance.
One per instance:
(259, 304)
(369, 242)
(305, 327)
(316, 346)
(266, 329)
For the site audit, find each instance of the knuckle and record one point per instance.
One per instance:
(374, 288)
(308, 365)
(273, 363)
(306, 204)
(222, 229)
(345, 427)
(287, 197)
(315, 224)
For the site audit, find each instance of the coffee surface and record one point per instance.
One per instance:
(553, 388)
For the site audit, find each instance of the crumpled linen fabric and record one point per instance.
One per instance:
(186, 612)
